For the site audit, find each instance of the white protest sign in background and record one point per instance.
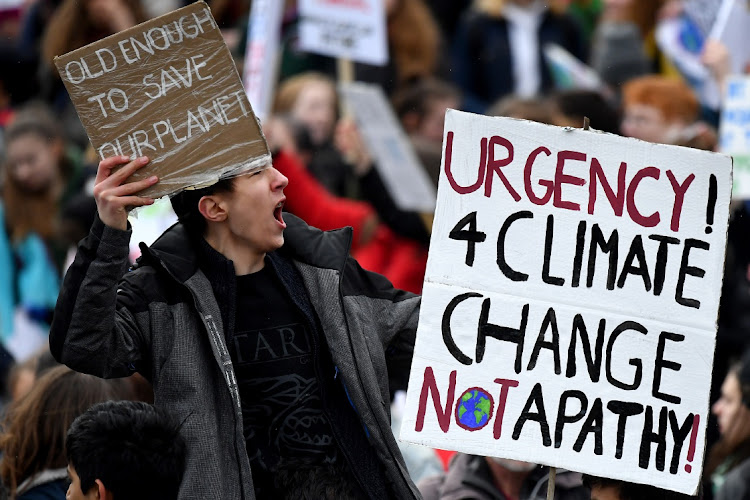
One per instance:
(734, 132)
(398, 164)
(261, 54)
(570, 301)
(347, 29)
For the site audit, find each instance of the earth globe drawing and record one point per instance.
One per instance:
(474, 409)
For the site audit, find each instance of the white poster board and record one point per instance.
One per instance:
(350, 29)
(734, 132)
(397, 163)
(262, 53)
(570, 301)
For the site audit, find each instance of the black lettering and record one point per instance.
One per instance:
(593, 362)
(649, 437)
(687, 270)
(578, 258)
(539, 416)
(625, 325)
(472, 236)
(679, 433)
(550, 280)
(660, 363)
(446, 327)
(623, 410)
(660, 270)
(563, 419)
(636, 252)
(501, 333)
(607, 246)
(508, 271)
(549, 322)
(593, 424)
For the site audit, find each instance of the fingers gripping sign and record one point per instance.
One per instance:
(114, 197)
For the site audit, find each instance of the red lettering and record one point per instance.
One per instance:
(494, 166)
(679, 197)
(562, 178)
(430, 386)
(505, 386)
(448, 157)
(637, 217)
(533, 198)
(616, 200)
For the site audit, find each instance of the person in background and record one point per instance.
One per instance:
(571, 106)
(74, 24)
(498, 49)
(658, 109)
(728, 464)
(618, 51)
(32, 443)
(152, 467)
(421, 107)
(490, 478)
(614, 489)
(39, 175)
(309, 103)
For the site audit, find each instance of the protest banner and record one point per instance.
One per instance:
(167, 89)
(262, 53)
(734, 132)
(346, 29)
(397, 163)
(570, 301)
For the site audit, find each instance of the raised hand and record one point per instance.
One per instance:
(113, 197)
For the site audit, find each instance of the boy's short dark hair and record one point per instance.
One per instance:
(185, 205)
(132, 447)
(634, 491)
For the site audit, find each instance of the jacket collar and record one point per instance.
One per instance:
(175, 251)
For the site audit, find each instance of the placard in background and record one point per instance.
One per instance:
(397, 163)
(352, 29)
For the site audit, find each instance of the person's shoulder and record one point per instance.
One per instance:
(52, 490)
(313, 246)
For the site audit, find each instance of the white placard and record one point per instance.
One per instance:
(397, 163)
(261, 54)
(570, 301)
(734, 132)
(347, 29)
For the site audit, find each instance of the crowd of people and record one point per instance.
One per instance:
(189, 405)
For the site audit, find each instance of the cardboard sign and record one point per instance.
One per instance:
(734, 132)
(167, 89)
(397, 163)
(261, 53)
(570, 301)
(348, 29)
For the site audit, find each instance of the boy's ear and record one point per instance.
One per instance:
(101, 491)
(212, 208)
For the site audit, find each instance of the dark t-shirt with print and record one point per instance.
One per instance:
(289, 438)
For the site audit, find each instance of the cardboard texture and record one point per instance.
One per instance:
(570, 301)
(167, 89)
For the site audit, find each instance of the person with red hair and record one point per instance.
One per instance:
(658, 109)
